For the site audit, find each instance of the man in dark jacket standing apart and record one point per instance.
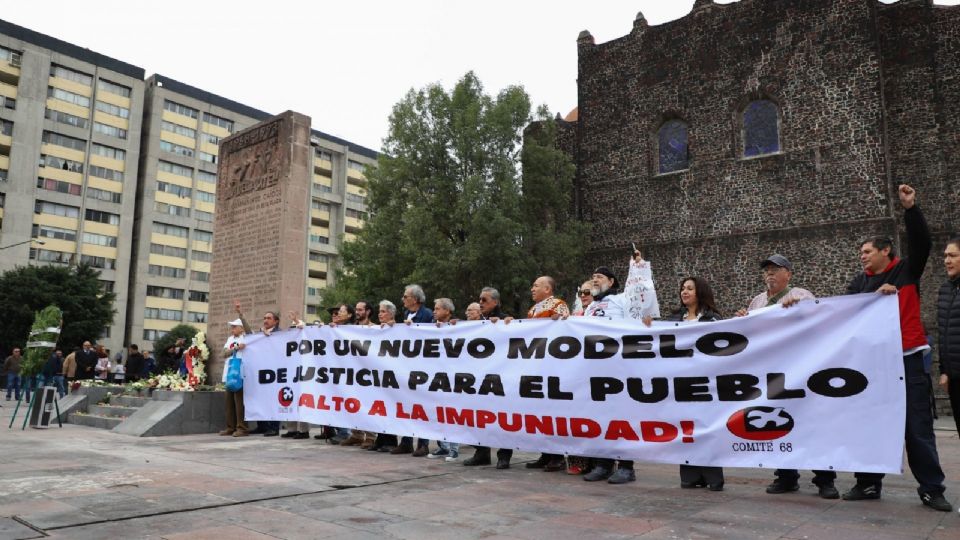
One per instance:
(885, 273)
(948, 320)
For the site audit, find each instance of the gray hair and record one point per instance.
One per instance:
(417, 292)
(445, 303)
(494, 294)
(389, 306)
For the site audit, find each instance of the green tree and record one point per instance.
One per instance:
(447, 202)
(26, 290)
(169, 339)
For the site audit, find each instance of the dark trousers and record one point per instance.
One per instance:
(792, 476)
(408, 441)
(921, 443)
(692, 474)
(503, 453)
(953, 388)
(608, 463)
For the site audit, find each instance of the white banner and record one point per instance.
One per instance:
(816, 386)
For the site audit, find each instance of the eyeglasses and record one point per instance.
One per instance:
(586, 292)
(485, 300)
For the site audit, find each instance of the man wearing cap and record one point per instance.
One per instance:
(608, 303)
(236, 424)
(777, 271)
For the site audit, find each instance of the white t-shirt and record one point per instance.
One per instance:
(231, 343)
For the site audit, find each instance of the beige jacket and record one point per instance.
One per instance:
(70, 365)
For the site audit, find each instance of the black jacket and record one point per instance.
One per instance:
(948, 321)
(706, 316)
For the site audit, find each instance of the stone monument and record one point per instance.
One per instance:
(260, 226)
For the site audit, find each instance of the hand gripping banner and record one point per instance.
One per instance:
(815, 386)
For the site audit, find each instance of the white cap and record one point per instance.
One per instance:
(235, 322)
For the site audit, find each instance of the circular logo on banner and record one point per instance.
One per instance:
(285, 396)
(760, 423)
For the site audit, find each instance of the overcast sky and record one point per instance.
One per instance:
(346, 63)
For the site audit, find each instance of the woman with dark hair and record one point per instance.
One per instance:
(343, 314)
(948, 319)
(697, 305)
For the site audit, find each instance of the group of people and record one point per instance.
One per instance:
(883, 272)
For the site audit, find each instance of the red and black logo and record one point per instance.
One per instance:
(285, 396)
(760, 423)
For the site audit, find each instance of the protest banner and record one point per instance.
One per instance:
(816, 386)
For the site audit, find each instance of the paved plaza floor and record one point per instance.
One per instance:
(78, 483)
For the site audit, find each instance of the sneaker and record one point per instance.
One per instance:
(778, 486)
(440, 453)
(828, 491)
(622, 476)
(598, 473)
(454, 456)
(862, 493)
(936, 501)
(574, 470)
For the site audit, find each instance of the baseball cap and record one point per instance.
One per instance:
(778, 260)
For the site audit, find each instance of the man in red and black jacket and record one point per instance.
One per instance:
(885, 273)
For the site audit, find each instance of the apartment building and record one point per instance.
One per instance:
(70, 123)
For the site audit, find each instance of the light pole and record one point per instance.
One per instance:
(41, 242)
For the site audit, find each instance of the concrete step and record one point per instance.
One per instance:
(111, 410)
(129, 401)
(95, 421)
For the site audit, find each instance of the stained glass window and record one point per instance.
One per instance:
(672, 147)
(761, 129)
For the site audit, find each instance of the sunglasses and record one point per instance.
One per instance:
(586, 292)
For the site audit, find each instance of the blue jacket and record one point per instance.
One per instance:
(423, 315)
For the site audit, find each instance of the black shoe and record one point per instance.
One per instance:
(692, 485)
(779, 486)
(301, 435)
(385, 448)
(289, 435)
(258, 431)
(716, 487)
(554, 465)
(597, 473)
(622, 476)
(270, 433)
(503, 463)
(477, 460)
(936, 501)
(828, 491)
(862, 493)
(540, 463)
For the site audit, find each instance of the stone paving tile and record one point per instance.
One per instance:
(11, 530)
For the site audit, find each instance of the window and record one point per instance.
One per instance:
(10, 56)
(178, 129)
(324, 155)
(316, 238)
(69, 97)
(212, 139)
(318, 257)
(54, 209)
(199, 296)
(175, 107)
(166, 271)
(171, 209)
(103, 172)
(60, 187)
(46, 255)
(205, 196)
(204, 256)
(672, 148)
(99, 262)
(167, 146)
(761, 128)
(355, 165)
(103, 195)
(209, 158)
(3, 175)
(169, 251)
(64, 118)
(217, 121)
(322, 188)
(356, 214)
(101, 217)
(311, 291)
(353, 197)
(318, 205)
(174, 189)
(113, 88)
(110, 131)
(202, 236)
(106, 286)
(165, 292)
(109, 152)
(203, 216)
(51, 137)
(46, 231)
(196, 316)
(99, 239)
(204, 176)
(112, 109)
(173, 168)
(196, 275)
(60, 163)
(153, 335)
(171, 230)
(6, 128)
(71, 75)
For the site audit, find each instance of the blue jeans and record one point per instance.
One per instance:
(13, 383)
(449, 446)
(60, 386)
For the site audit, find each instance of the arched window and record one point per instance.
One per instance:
(672, 147)
(761, 128)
